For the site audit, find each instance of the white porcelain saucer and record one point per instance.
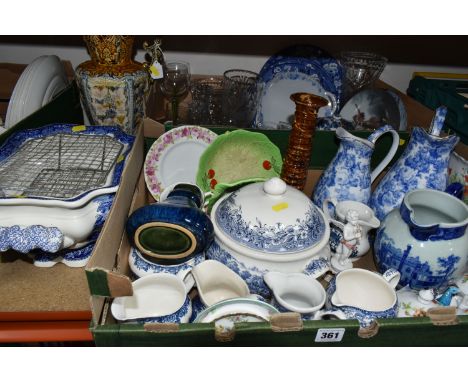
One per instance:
(39, 83)
(174, 157)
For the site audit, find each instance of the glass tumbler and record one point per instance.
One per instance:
(239, 97)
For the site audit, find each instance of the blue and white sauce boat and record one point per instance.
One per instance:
(349, 175)
(362, 295)
(156, 298)
(425, 239)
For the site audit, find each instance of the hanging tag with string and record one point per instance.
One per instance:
(157, 57)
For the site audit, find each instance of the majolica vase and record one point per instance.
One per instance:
(113, 87)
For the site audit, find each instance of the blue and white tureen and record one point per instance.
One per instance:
(266, 227)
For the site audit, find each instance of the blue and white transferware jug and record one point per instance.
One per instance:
(425, 239)
(349, 176)
(423, 164)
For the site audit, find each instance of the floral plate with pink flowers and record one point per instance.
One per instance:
(174, 157)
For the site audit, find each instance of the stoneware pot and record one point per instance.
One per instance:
(173, 230)
(362, 295)
(269, 226)
(425, 239)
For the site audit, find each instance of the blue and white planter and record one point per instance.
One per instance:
(47, 224)
(349, 176)
(425, 239)
(57, 230)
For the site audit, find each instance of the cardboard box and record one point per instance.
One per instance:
(108, 276)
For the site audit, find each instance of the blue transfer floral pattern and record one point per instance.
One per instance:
(71, 257)
(423, 164)
(252, 276)
(365, 317)
(415, 272)
(348, 176)
(141, 267)
(306, 61)
(26, 239)
(270, 238)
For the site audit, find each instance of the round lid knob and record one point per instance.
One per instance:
(274, 186)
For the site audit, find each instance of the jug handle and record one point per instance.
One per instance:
(331, 102)
(391, 153)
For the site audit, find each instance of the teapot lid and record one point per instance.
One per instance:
(270, 217)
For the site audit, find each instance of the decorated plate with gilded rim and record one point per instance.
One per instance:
(174, 157)
(231, 311)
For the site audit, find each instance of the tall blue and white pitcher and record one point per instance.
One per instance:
(349, 175)
(423, 164)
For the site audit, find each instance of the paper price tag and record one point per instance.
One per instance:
(330, 335)
(156, 70)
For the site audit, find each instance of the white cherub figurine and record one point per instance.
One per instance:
(352, 234)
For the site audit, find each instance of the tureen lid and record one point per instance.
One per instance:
(270, 217)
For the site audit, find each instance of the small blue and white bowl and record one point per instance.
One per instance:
(142, 266)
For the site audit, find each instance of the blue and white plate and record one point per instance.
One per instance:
(275, 109)
(296, 69)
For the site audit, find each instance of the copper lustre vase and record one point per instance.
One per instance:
(113, 86)
(296, 161)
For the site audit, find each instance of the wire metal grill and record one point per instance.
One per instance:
(59, 166)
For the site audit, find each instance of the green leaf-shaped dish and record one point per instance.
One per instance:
(236, 158)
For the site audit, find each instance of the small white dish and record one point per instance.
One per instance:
(174, 156)
(237, 310)
(296, 292)
(156, 295)
(216, 282)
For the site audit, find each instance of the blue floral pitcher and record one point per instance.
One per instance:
(349, 175)
(423, 164)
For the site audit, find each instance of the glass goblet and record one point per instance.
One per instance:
(175, 84)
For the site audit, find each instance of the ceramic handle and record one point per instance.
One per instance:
(391, 153)
(392, 276)
(326, 207)
(331, 102)
(187, 278)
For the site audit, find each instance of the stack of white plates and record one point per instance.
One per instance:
(39, 83)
